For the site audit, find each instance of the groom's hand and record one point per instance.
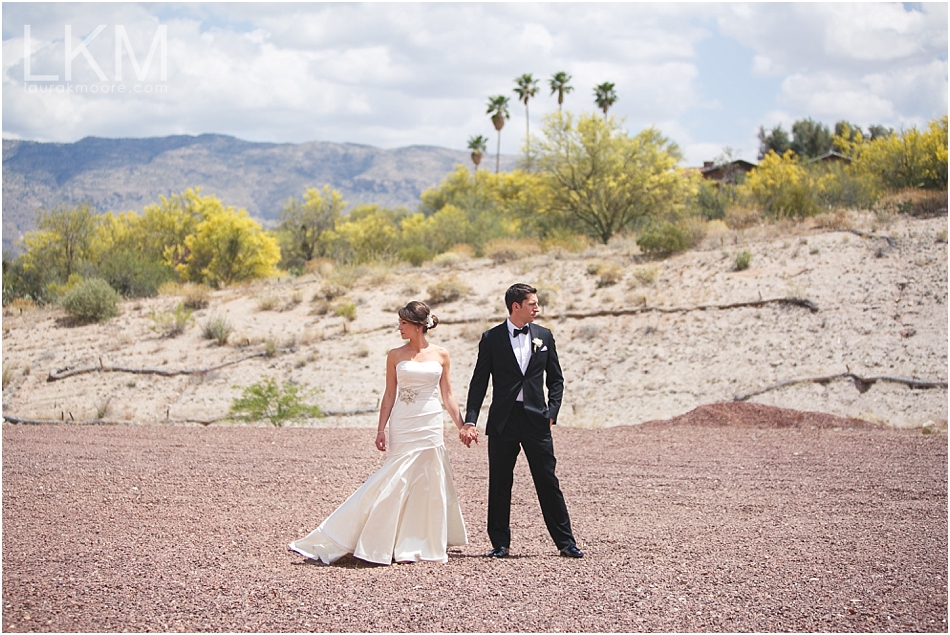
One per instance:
(468, 434)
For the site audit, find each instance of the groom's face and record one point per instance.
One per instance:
(526, 311)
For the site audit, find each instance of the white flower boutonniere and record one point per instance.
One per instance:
(537, 344)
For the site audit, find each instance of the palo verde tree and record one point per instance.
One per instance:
(227, 246)
(498, 109)
(606, 181)
(304, 225)
(61, 243)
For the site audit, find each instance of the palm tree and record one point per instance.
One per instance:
(498, 109)
(527, 87)
(605, 96)
(478, 145)
(559, 84)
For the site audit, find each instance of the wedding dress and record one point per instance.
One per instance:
(408, 510)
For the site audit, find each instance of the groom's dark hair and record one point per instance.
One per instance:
(518, 293)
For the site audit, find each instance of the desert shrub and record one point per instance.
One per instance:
(7, 374)
(171, 323)
(195, 296)
(743, 260)
(917, 203)
(23, 304)
(103, 407)
(448, 260)
(91, 301)
(216, 328)
(647, 274)
(319, 266)
(564, 242)
(416, 255)
(716, 229)
(837, 220)
(267, 302)
(609, 274)
(546, 295)
(587, 332)
(447, 289)
(276, 403)
(508, 249)
(345, 308)
(739, 217)
(271, 345)
(664, 239)
(696, 228)
(132, 275)
(340, 281)
(172, 287)
(321, 306)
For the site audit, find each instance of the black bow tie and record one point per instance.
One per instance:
(520, 331)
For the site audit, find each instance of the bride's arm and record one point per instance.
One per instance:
(448, 397)
(389, 399)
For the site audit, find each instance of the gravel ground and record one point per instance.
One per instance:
(736, 517)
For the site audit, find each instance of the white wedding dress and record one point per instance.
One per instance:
(408, 510)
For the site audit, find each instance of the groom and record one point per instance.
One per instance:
(520, 358)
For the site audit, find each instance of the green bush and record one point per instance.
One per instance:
(276, 403)
(743, 260)
(133, 276)
(91, 301)
(217, 328)
(416, 255)
(172, 323)
(664, 239)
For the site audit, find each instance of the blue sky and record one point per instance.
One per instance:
(396, 74)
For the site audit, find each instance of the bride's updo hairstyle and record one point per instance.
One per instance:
(418, 313)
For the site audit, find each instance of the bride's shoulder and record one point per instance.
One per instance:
(397, 354)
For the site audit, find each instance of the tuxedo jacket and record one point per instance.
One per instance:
(497, 361)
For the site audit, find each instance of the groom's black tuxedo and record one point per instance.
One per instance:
(496, 359)
(513, 425)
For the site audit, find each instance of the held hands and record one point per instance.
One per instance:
(467, 434)
(381, 440)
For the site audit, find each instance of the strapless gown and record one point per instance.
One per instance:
(408, 510)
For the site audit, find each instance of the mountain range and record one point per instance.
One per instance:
(128, 174)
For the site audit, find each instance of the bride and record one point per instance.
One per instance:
(408, 510)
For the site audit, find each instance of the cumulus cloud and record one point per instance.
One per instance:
(393, 74)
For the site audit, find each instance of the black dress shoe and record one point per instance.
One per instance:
(498, 552)
(571, 551)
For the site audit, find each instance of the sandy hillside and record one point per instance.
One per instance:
(881, 300)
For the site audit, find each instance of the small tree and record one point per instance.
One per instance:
(304, 226)
(276, 403)
(605, 180)
(227, 246)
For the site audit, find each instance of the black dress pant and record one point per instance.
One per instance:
(503, 449)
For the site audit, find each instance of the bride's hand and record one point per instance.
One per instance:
(381, 440)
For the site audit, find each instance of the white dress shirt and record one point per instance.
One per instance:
(521, 346)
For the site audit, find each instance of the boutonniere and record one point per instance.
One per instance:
(537, 344)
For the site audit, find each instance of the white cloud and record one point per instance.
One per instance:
(396, 74)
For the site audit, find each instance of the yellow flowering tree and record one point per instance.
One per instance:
(606, 181)
(780, 186)
(227, 246)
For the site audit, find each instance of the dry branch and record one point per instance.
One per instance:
(861, 383)
(801, 302)
(63, 373)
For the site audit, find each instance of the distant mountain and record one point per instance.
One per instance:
(128, 174)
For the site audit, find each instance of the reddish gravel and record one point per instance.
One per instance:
(735, 517)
